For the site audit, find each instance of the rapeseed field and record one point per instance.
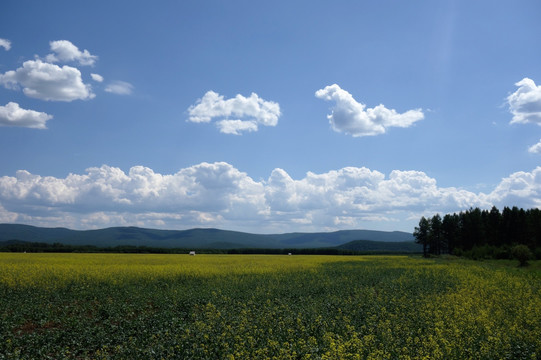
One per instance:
(113, 306)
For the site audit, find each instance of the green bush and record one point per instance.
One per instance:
(522, 253)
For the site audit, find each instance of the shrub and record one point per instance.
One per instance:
(522, 253)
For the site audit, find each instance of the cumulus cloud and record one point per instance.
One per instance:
(360, 192)
(96, 77)
(351, 117)
(119, 88)
(65, 51)
(13, 115)
(522, 189)
(6, 44)
(203, 188)
(219, 195)
(525, 103)
(248, 112)
(46, 81)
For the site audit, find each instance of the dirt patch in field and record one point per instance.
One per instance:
(30, 327)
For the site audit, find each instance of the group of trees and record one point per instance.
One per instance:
(481, 233)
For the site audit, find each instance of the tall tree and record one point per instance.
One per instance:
(533, 225)
(450, 232)
(435, 235)
(421, 234)
(493, 233)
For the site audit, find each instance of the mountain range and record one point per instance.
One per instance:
(205, 238)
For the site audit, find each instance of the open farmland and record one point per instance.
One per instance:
(113, 306)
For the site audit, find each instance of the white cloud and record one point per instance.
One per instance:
(65, 51)
(13, 115)
(6, 44)
(525, 103)
(249, 112)
(119, 88)
(7, 216)
(535, 149)
(351, 117)
(96, 77)
(219, 195)
(236, 126)
(203, 188)
(360, 192)
(46, 81)
(522, 189)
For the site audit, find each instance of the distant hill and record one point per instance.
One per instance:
(193, 238)
(380, 246)
(331, 239)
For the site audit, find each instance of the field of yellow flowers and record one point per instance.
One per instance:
(114, 306)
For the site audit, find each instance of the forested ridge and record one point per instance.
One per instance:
(480, 233)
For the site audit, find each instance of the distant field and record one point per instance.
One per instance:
(114, 306)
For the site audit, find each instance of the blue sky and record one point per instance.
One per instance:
(267, 116)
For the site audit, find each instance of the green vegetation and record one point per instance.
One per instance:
(522, 253)
(359, 247)
(129, 306)
(481, 234)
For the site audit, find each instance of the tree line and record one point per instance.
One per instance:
(480, 233)
(33, 247)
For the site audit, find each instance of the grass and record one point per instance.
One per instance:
(114, 306)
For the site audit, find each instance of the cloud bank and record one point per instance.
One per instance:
(13, 115)
(525, 103)
(351, 117)
(219, 195)
(247, 112)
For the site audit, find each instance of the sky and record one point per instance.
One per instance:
(267, 117)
